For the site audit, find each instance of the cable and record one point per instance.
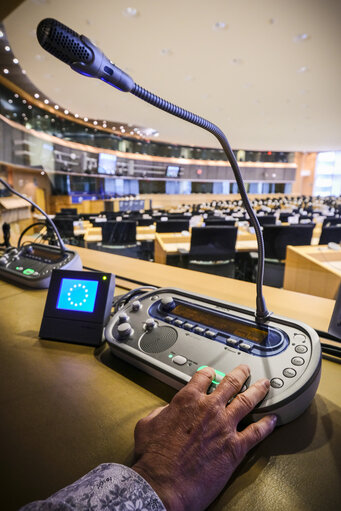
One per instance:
(61, 244)
(262, 313)
(123, 299)
(27, 229)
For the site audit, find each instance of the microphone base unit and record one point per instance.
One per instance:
(32, 264)
(174, 333)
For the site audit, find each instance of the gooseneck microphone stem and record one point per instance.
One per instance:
(262, 312)
(61, 244)
(84, 57)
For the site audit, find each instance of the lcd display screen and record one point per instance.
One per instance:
(44, 254)
(107, 163)
(77, 295)
(227, 325)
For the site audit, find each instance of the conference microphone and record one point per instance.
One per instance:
(84, 57)
(80, 54)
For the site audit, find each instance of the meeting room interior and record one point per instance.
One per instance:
(170, 199)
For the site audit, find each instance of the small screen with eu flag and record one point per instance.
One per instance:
(77, 295)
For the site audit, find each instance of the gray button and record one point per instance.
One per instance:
(178, 322)
(289, 372)
(168, 319)
(231, 342)
(276, 383)
(167, 303)
(299, 337)
(136, 306)
(179, 360)
(188, 326)
(123, 317)
(301, 349)
(198, 330)
(124, 330)
(210, 334)
(297, 361)
(150, 324)
(245, 346)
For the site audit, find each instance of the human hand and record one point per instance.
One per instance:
(188, 450)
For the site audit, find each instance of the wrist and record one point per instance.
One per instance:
(161, 484)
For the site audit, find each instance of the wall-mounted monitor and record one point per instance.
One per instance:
(107, 163)
(172, 171)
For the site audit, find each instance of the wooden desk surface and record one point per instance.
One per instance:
(313, 270)
(67, 408)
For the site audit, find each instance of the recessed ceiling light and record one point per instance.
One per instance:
(29, 107)
(166, 52)
(53, 120)
(36, 95)
(16, 95)
(24, 101)
(113, 127)
(131, 12)
(219, 25)
(42, 173)
(6, 71)
(15, 61)
(66, 112)
(46, 101)
(46, 116)
(7, 48)
(156, 134)
(301, 37)
(76, 115)
(56, 107)
(95, 123)
(23, 71)
(86, 119)
(302, 69)
(10, 101)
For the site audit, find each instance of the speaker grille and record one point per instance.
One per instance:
(158, 340)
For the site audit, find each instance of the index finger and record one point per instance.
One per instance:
(202, 379)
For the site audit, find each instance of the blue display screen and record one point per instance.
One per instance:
(77, 295)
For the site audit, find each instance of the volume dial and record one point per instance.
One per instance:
(167, 303)
(124, 330)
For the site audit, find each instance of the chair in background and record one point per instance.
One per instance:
(328, 234)
(276, 239)
(284, 216)
(119, 234)
(212, 250)
(219, 221)
(266, 219)
(144, 222)
(172, 226)
(330, 221)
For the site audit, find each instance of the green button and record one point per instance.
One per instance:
(218, 373)
(28, 271)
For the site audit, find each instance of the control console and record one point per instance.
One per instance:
(32, 264)
(171, 334)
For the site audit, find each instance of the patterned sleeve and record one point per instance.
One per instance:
(108, 486)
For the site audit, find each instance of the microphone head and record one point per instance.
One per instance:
(62, 42)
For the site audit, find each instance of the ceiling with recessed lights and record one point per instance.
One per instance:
(267, 72)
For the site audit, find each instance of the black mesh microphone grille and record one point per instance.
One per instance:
(62, 42)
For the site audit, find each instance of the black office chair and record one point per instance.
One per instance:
(64, 226)
(143, 222)
(266, 219)
(69, 211)
(276, 239)
(220, 221)
(330, 221)
(284, 216)
(328, 234)
(119, 234)
(212, 250)
(172, 226)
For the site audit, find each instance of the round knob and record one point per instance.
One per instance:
(3, 261)
(136, 306)
(167, 303)
(123, 318)
(150, 324)
(124, 330)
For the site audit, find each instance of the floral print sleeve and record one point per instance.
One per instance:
(107, 487)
